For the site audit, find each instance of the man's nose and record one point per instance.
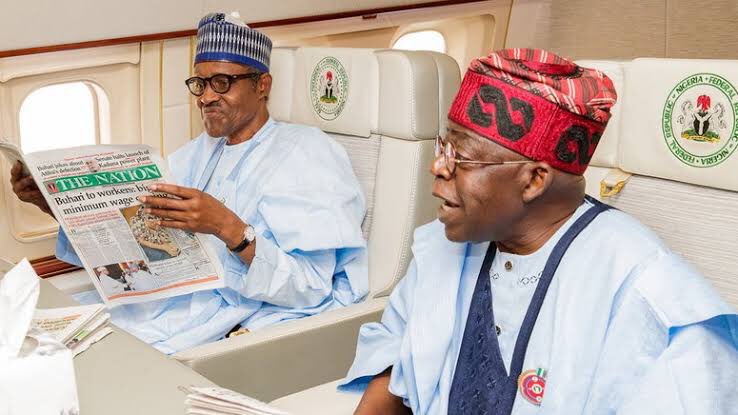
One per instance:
(439, 168)
(209, 96)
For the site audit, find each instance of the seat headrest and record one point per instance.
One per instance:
(402, 94)
(680, 121)
(282, 70)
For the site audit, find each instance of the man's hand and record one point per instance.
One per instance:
(377, 398)
(194, 211)
(25, 188)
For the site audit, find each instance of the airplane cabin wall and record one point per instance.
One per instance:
(375, 38)
(624, 29)
(41, 23)
(143, 85)
(113, 76)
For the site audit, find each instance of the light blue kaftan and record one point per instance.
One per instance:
(627, 327)
(296, 187)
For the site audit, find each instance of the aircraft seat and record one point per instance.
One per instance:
(683, 182)
(657, 168)
(386, 108)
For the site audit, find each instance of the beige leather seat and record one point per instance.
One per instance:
(392, 106)
(682, 187)
(691, 208)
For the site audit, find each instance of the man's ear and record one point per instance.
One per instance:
(265, 85)
(537, 178)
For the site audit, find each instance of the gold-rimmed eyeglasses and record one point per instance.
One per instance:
(449, 157)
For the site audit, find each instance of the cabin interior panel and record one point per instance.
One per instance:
(623, 29)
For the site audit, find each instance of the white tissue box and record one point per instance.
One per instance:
(36, 370)
(39, 383)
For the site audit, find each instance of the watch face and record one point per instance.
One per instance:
(250, 233)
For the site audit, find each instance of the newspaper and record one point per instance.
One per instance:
(220, 401)
(92, 191)
(76, 327)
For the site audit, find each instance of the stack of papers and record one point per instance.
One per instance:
(75, 327)
(219, 401)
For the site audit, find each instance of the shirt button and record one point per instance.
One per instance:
(508, 266)
(498, 330)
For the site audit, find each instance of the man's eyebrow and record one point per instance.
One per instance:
(466, 142)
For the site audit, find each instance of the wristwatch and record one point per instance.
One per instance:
(249, 234)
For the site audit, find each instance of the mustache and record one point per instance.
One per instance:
(214, 104)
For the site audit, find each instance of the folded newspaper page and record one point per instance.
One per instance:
(76, 327)
(217, 401)
(93, 192)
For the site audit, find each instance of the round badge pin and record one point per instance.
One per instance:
(532, 385)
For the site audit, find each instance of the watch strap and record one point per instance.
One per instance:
(245, 243)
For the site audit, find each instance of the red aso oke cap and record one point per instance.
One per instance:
(537, 104)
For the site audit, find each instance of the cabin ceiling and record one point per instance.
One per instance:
(52, 22)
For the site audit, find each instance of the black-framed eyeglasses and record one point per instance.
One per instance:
(449, 157)
(221, 83)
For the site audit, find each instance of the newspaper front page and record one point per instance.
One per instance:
(93, 192)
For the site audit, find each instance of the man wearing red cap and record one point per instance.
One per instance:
(527, 297)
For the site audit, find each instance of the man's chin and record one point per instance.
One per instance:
(455, 233)
(214, 132)
(214, 128)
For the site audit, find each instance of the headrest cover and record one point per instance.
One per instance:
(537, 104)
(225, 38)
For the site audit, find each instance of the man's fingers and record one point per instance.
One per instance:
(29, 183)
(169, 214)
(29, 195)
(174, 224)
(164, 203)
(25, 184)
(173, 189)
(15, 171)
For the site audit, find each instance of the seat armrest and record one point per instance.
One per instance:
(72, 282)
(286, 358)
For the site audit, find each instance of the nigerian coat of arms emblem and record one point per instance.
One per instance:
(699, 120)
(329, 88)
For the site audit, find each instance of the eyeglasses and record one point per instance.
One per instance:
(221, 83)
(449, 155)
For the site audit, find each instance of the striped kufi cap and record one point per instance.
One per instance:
(225, 38)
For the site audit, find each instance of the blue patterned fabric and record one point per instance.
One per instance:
(225, 38)
(481, 384)
(480, 372)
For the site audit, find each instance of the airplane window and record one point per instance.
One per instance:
(61, 115)
(425, 40)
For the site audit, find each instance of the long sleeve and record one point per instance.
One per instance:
(671, 346)
(696, 373)
(302, 243)
(65, 250)
(379, 343)
(289, 279)
(308, 231)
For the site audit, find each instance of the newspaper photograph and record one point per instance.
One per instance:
(93, 193)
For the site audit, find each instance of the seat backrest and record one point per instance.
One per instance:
(676, 134)
(385, 107)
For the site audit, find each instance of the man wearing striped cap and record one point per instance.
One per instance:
(527, 297)
(280, 203)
